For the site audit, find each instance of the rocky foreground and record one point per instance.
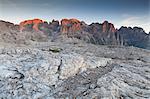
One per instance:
(73, 70)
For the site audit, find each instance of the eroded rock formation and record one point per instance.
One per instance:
(96, 33)
(108, 27)
(33, 23)
(70, 26)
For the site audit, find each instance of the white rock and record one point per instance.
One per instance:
(93, 62)
(71, 64)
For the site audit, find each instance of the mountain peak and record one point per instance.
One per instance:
(96, 33)
(70, 25)
(108, 27)
(34, 22)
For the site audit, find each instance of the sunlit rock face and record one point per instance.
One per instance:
(10, 33)
(97, 33)
(70, 25)
(33, 24)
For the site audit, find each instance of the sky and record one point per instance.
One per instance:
(119, 12)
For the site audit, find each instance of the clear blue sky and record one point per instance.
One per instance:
(119, 12)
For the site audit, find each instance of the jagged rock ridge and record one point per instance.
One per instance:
(96, 33)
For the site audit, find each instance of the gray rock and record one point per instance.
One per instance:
(79, 70)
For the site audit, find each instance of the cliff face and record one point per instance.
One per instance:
(9, 32)
(39, 26)
(50, 28)
(70, 26)
(32, 23)
(108, 27)
(96, 33)
(105, 33)
(134, 36)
